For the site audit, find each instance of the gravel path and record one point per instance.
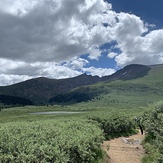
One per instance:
(124, 150)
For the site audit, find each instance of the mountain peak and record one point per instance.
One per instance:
(134, 71)
(42, 89)
(129, 72)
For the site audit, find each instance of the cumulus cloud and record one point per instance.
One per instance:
(53, 30)
(48, 38)
(99, 71)
(112, 54)
(11, 79)
(20, 7)
(14, 72)
(76, 63)
(137, 45)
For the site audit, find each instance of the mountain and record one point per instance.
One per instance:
(83, 87)
(129, 72)
(42, 89)
(132, 86)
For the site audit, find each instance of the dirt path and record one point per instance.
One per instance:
(120, 151)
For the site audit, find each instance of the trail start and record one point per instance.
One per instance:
(124, 150)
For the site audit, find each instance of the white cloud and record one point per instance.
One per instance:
(54, 30)
(112, 54)
(99, 71)
(76, 63)
(136, 44)
(14, 72)
(58, 72)
(17, 6)
(11, 79)
(128, 25)
(19, 68)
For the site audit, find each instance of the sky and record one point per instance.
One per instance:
(66, 38)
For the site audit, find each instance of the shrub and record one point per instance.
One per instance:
(114, 125)
(58, 141)
(153, 124)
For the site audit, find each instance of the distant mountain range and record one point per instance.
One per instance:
(43, 90)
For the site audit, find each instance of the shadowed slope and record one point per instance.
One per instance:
(40, 90)
(130, 86)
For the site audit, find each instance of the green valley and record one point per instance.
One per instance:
(106, 108)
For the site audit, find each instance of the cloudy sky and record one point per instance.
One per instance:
(65, 38)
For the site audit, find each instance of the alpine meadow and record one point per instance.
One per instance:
(70, 125)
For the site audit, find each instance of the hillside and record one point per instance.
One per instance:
(132, 86)
(13, 100)
(42, 89)
(131, 81)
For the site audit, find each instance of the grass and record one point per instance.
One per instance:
(127, 97)
(23, 113)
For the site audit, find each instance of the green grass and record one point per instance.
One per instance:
(23, 113)
(124, 97)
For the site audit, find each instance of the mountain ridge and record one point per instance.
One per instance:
(129, 87)
(42, 89)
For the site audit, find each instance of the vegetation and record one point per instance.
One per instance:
(65, 140)
(53, 138)
(58, 138)
(75, 96)
(153, 125)
(131, 91)
(114, 125)
(13, 100)
(106, 110)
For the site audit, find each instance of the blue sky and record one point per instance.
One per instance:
(65, 38)
(149, 10)
(103, 61)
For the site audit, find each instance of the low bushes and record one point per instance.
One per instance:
(153, 125)
(114, 125)
(58, 141)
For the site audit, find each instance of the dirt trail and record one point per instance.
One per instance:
(120, 151)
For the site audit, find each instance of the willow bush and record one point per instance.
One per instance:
(59, 141)
(153, 125)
